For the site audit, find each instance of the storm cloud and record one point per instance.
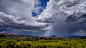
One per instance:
(68, 17)
(60, 17)
(17, 14)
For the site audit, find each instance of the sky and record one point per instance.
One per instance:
(43, 17)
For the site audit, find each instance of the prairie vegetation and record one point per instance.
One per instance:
(32, 42)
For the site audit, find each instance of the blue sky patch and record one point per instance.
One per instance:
(43, 4)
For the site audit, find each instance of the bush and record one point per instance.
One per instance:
(1, 35)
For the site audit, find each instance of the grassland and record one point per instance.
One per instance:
(29, 42)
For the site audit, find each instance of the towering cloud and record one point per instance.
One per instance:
(61, 11)
(17, 14)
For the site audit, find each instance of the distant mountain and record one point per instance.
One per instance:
(17, 35)
(53, 36)
(21, 35)
(77, 36)
(46, 36)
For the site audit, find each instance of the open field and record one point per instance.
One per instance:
(30, 42)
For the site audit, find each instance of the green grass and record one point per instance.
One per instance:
(16, 42)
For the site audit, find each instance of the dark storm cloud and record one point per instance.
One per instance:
(17, 14)
(68, 16)
(75, 17)
(21, 27)
(62, 17)
(6, 22)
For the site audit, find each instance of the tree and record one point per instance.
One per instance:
(1, 35)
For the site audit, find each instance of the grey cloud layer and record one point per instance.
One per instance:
(17, 14)
(60, 10)
(6, 22)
